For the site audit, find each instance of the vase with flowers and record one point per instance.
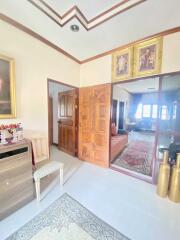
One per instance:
(10, 133)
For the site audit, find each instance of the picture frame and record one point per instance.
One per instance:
(122, 64)
(148, 57)
(7, 88)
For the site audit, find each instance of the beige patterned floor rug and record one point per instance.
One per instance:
(66, 219)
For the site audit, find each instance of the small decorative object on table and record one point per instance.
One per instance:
(3, 136)
(14, 134)
(164, 175)
(20, 132)
(11, 133)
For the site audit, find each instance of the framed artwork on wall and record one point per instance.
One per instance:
(148, 57)
(7, 88)
(122, 64)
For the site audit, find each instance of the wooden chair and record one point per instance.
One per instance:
(41, 153)
(40, 148)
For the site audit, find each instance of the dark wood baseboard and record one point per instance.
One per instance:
(55, 144)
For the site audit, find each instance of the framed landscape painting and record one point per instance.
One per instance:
(148, 57)
(7, 88)
(122, 64)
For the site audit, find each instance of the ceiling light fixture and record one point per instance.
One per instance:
(151, 88)
(74, 28)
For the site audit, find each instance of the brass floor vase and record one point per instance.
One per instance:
(174, 191)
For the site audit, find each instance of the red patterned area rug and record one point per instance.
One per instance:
(137, 156)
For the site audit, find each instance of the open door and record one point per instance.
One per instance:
(94, 123)
(68, 122)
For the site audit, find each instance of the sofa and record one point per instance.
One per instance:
(118, 143)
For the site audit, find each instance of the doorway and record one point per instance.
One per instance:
(133, 145)
(63, 117)
(148, 122)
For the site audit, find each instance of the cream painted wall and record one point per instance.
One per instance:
(98, 71)
(34, 63)
(171, 53)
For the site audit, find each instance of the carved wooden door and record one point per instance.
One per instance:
(68, 113)
(94, 123)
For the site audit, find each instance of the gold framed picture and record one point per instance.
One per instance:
(122, 64)
(7, 88)
(148, 57)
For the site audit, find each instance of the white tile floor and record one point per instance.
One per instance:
(129, 205)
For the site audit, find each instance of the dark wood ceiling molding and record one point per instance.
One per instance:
(164, 33)
(46, 13)
(69, 11)
(77, 10)
(37, 36)
(109, 10)
(50, 8)
(75, 16)
(60, 17)
(47, 42)
(115, 14)
(87, 24)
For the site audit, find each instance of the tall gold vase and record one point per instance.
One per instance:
(174, 192)
(164, 175)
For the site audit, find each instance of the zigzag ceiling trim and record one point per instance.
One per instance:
(75, 12)
(50, 44)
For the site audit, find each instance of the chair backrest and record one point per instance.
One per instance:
(40, 149)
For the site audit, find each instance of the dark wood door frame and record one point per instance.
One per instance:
(49, 80)
(121, 115)
(157, 131)
(50, 119)
(114, 113)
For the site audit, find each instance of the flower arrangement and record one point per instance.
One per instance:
(10, 133)
(10, 126)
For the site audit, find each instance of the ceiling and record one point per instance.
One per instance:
(149, 85)
(122, 21)
(141, 86)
